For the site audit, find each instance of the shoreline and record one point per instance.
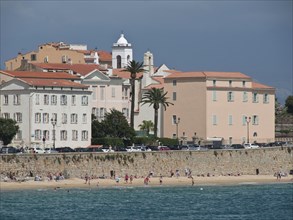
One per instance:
(78, 183)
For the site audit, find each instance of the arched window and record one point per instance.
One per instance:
(118, 61)
(128, 59)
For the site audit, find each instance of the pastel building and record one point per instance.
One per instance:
(35, 101)
(219, 106)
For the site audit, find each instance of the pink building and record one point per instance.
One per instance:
(212, 106)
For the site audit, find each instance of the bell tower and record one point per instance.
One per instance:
(121, 53)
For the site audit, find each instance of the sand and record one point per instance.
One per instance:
(154, 181)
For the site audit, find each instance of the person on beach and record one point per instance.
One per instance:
(117, 179)
(171, 173)
(161, 179)
(126, 178)
(146, 180)
(86, 178)
(192, 181)
(131, 179)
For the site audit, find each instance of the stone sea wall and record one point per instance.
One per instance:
(215, 162)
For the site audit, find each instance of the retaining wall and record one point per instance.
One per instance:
(216, 162)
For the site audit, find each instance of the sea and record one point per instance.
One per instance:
(249, 201)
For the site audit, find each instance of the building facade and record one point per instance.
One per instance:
(36, 103)
(219, 106)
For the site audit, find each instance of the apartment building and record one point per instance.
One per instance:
(219, 106)
(49, 112)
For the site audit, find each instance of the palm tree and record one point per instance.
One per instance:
(146, 126)
(155, 97)
(133, 67)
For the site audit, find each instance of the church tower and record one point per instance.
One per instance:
(121, 53)
(148, 63)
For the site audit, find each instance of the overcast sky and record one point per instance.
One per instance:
(252, 37)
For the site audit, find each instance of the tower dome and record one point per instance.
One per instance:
(122, 40)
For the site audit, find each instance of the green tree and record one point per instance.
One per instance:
(146, 126)
(289, 104)
(8, 129)
(114, 125)
(156, 97)
(133, 67)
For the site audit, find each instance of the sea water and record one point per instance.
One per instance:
(246, 201)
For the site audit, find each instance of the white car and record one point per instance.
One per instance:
(250, 146)
(37, 150)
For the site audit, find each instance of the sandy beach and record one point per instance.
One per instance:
(154, 181)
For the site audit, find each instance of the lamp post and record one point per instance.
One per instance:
(247, 123)
(177, 121)
(54, 122)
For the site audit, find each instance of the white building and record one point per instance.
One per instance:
(34, 102)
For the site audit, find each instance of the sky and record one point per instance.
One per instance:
(251, 37)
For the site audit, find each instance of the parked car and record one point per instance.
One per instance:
(64, 149)
(237, 146)
(36, 150)
(250, 146)
(50, 151)
(9, 150)
(163, 148)
(107, 149)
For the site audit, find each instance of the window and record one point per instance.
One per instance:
(84, 118)
(230, 96)
(74, 135)
(46, 99)
(84, 135)
(37, 99)
(113, 92)
(94, 94)
(214, 82)
(46, 59)
(64, 118)
(175, 120)
(102, 113)
(16, 99)
(118, 61)
(214, 95)
(230, 83)
(124, 93)
(244, 120)
(18, 136)
(102, 92)
(255, 97)
(125, 112)
(255, 120)
(33, 57)
(63, 100)
(54, 116)
(84, 100)
(174, 96)
(38, 118)
(64, 59)
(245, 97)
(73, 100)
(6, 115)
(230, 120)
(243, 83)
(73, 118)
(6, 100)
(46, 135)
(63, 135)
(18, 117)
(45, 118)
(266, 98)
(174, 82)
(215, 120)
(53, 100)
(38, 135)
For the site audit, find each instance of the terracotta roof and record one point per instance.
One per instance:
(105, 56)
(204, 74)
(47, 75)
(82, 69)
(125, 75)
(52, 83)
(256, 85)
(157, 86)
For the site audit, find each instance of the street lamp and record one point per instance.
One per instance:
(54, 122)
(177, 121)
(247, 123)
